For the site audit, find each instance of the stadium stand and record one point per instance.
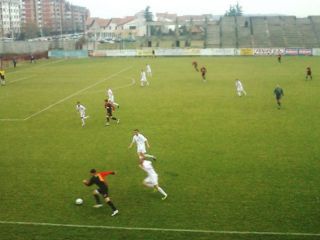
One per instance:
(292, 35)
(244, 32)
(228, 32)
(316, 26)
(307, 31)
(213, 40)
(277, 36)
(260, 32)
(264, 32)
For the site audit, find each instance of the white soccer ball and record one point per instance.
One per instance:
(79, 201)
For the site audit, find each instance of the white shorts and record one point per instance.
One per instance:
(240, 89)
(111, 99)
(82, 114)
(152, 180)
(141, 149)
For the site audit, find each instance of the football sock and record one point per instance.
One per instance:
(82, 120)
(148, 184)
(149, 156)
(112, 206)
(96, 197)
(161, 191)
(114, 118)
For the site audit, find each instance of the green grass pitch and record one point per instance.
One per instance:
(227, 163)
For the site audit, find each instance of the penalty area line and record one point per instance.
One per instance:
(76, 93)
(163, 229)
(68, 97)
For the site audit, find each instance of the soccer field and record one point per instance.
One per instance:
(234, 167)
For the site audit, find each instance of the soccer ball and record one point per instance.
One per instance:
(79, 201)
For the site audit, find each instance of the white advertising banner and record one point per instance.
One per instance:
(121, 53)
(269, 51)
(218, 52)
(316, 52)
(178, 52)
(206, 52)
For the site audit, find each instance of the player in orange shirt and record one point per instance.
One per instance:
(98, 178)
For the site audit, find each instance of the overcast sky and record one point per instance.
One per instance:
(121, 8)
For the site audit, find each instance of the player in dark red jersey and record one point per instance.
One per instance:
(279, 58)
(309, 73)
(195, 65)
(99, 180)
(109, 109)
(203, 73)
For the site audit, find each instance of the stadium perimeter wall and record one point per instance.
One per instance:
(208, 52)
(20, 48)
(187, 52)
(25, 47)
(68, 54)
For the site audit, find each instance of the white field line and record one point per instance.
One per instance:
(165, 229)
(20, 79)
(133, 82)
(34, 65)
(11, 119)
(68, 97)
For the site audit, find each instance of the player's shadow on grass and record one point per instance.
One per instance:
(171, 174)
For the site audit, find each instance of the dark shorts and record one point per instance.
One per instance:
(103, 192)
(278, 97)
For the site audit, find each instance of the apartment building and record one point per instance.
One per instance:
(9, 18)
(54, 16)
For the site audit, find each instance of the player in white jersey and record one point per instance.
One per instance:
(148, 70)
(240, 89)
(82, 110)
(141, 142)
(152, 179)
(111, 98)
(143, 78)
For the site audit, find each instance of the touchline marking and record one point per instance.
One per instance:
(11, 119)
(36, 66)
(133, 82)
(68, 97)
(164, 229)
(20, 79)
